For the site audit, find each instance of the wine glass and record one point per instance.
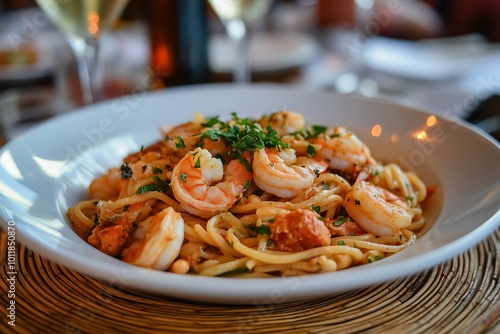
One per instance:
(84, 22)
(236, 16)
(357, 78)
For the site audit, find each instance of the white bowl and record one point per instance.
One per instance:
(48, 169)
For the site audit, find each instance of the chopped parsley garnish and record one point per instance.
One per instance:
(341, 243)
(263, 230)
(160, 185)
(180, 143)
(242, 134)
(157, 170)
(197, 164)
(312, 132)
(410, 199)
(183, 177)
(339, 221)
(311, 150)
(126, 171)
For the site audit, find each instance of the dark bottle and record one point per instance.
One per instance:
(179, 41)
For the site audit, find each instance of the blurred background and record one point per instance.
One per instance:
(441, 54)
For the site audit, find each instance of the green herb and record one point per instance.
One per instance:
(339, 221)
(410, 199)
(126, 172)
(247, 184)
(197, 164)
(180, 143)
(183, 177)
(379, 257)
(211, 122)
(370, 259)
(160, 185)
(242, 134)
(311, 150)
(263, 230)
(312, 132)
(341, 243)
(316, 209)
(157, 170)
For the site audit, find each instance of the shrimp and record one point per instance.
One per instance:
(186, 137)
(113, 230)
(282, 174)
(157, 241)
(204, 186)
(376, 209)
(107, 186)
(284, 122)
(343, 149)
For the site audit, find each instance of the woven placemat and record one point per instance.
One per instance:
(460, 296)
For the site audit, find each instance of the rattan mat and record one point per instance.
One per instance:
(459, 296)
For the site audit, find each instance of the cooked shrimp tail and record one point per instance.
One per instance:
(376, 209)
(157, 241)
(204, 186)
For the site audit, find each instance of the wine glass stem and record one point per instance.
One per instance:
(89, 71)
(237, 31)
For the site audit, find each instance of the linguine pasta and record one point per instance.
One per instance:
(252, 198)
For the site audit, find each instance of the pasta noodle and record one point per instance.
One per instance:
(252, 198)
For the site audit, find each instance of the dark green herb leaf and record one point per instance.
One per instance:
(160, 185)
(197, 164)
(311, 150)
(126, 172)
(339, 221)
(180, 143)
(263, 230)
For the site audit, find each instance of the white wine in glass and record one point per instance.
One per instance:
(84, 22)
(236, 15)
